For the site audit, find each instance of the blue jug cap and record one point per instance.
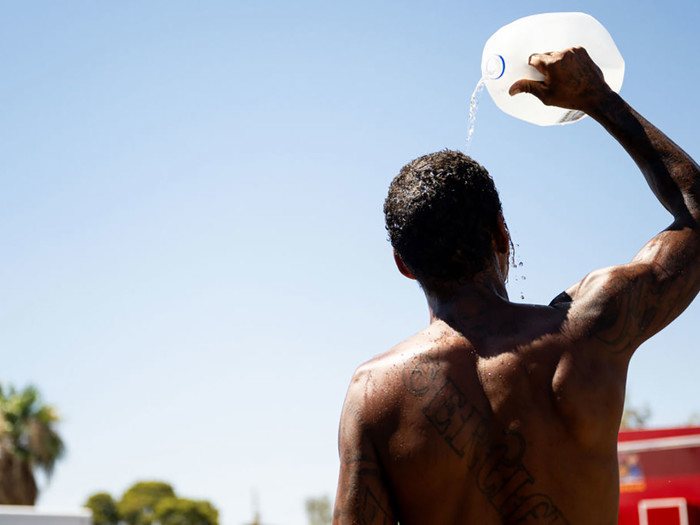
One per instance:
(494, 67)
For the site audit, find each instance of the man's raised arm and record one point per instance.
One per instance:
(626, 305)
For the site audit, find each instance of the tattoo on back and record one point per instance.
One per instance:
(419, 377)
(496, 461)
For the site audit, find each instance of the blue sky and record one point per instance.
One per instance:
(194, 258)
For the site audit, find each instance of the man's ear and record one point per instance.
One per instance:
(501, 239)
(402, 266)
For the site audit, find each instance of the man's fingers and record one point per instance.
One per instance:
(534, 87)
(541, 60)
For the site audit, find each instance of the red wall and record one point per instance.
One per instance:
(659, 464)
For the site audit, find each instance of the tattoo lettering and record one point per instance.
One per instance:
(503, 468)
(459, 424)
(496, 461)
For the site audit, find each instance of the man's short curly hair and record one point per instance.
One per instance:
(441, 214)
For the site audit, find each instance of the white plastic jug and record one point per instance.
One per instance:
(506, 54)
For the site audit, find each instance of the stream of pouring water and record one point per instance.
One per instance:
(516, 273)
(473, 106)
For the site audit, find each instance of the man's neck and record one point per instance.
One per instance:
(466, 299)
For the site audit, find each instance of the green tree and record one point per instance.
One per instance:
(151, 503)
(104, 509)
(634, 417)
(28, 442)
(180, 511)
(318, 510)
(138, 504)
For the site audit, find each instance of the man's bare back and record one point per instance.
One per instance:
(500, 413)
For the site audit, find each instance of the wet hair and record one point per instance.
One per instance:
(441, 214)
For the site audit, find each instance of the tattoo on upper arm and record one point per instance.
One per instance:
(364, 497)
(496, 461)
(638, 310)
(646, 295)
(367, 501)
(373, 512)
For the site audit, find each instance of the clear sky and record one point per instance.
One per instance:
(193, 253)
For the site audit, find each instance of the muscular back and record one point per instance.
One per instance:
(459, 426)
(499, 413)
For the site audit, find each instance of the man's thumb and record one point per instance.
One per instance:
(534, 87)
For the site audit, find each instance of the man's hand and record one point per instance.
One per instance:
(622, 306)
(572, 80)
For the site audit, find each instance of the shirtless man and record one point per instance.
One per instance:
(503, 413)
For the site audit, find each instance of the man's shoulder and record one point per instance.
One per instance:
(378, 385)
(381, 369)
(386, 363)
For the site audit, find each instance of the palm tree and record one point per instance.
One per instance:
(28, 441)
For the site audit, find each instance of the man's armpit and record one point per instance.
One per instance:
(561, 301)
